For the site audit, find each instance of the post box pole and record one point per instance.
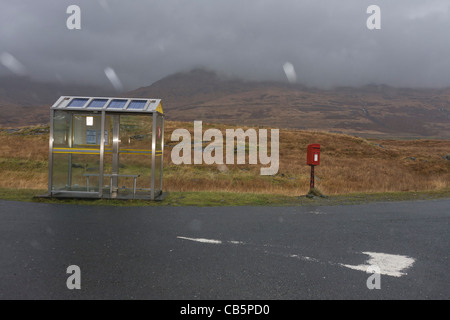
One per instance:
(312, 178)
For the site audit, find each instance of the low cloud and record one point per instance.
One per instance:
(326, 42)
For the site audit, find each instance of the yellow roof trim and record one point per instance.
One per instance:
(159, 108)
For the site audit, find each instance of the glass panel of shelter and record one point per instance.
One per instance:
(127, 159)
(62, 128)
(135, 141)
(76, 151)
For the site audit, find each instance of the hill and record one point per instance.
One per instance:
(25, 101)
(371, 110)
(368, 111)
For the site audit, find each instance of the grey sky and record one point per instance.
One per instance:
(326, 41)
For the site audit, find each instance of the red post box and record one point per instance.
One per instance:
(313, 155)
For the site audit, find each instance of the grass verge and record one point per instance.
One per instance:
(210, 199)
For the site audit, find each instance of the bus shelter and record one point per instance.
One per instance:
(106, 148)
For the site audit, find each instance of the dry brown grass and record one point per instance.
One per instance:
(24, 147)
(348, 164)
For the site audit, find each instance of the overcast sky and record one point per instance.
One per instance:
(327, 41)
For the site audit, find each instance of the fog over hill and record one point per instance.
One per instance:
(368, 110)
(26, 101)
(200, 94)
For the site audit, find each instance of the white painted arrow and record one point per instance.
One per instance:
(389, 264)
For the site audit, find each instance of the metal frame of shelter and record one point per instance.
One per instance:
(98, 144)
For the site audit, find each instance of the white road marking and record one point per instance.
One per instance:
(202, 240)
(389, 264)
(213, 241)
(236, 242)
(304, 258)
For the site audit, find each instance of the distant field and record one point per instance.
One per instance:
(348, 165)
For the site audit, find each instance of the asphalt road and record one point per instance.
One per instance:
(225, 252)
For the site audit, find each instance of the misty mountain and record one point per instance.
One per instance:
(25, 101)
(25, 91)
(377, 110)
(371, 110)
(187, 89)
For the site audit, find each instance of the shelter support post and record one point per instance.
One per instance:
(115, 156)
